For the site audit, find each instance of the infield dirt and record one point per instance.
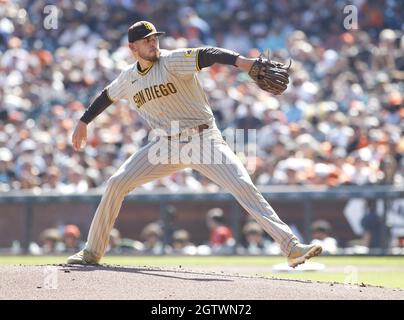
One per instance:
(137, 283)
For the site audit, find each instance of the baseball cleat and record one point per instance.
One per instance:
(82, 257)
(302, 252)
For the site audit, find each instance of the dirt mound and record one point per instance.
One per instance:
(137, 283)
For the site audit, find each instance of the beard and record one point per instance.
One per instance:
(152, 57)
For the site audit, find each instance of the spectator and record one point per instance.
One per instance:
(52, 241)
(372, 224)
(221, 239)
(152, 235)
(119, 245)
(321, 234)
(255, 242)
(6, 175)
(71, 238)
(196, 29)
(181, 243)
(167, 225)
(52, 180)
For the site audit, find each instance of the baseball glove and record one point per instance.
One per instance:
(269, 75)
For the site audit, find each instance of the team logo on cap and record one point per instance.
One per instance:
(148, 26)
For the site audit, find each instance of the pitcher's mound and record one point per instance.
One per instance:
(137, 283)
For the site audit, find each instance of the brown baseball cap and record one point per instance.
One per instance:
(141, 30)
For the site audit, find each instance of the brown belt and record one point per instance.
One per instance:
(199, 128)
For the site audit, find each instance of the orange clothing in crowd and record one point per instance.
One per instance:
(220, 235)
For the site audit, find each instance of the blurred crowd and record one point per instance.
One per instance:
(339, 122)
(156, 238)
(165, 237)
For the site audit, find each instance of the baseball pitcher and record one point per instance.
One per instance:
(163, 87)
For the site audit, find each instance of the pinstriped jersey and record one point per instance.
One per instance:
(169, 90)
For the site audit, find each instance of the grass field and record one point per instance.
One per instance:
(378, 271)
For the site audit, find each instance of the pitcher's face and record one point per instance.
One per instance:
(148, 48)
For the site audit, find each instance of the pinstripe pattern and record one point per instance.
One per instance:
(232, 176)
(169, 91)
(135, 171)
(189, 105)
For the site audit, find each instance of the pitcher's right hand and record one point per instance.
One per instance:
(79, 137)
